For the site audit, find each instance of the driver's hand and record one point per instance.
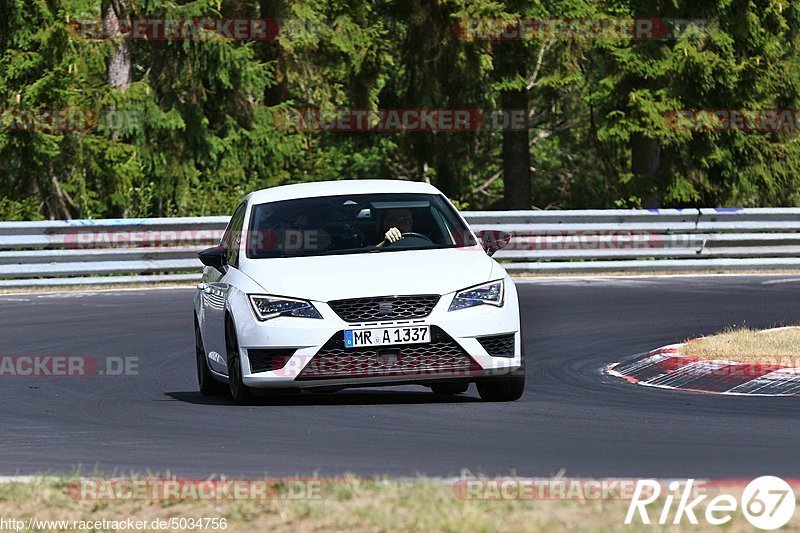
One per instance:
(393, 235)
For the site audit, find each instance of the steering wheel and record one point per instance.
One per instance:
(411, 239)
(417, 235)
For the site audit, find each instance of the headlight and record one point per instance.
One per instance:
(489, 293)
(267, 307)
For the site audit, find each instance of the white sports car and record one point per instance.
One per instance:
(326, 285)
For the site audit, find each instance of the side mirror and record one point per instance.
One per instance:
(494, 240)
(215, 257)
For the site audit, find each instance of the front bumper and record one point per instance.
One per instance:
(310, 356)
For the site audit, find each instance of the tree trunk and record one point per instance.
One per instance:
(517, 192)
(645, 160)
(271, 51)
(645, 155)
(60, 198)
(119, 66)
(5, 28)
(44, 206)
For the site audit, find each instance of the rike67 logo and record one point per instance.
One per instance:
(767, 502)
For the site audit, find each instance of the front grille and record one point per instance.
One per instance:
(441, 357)
(267, 360)
(499, 345)
(382, 308)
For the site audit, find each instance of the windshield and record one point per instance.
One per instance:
(351, 224)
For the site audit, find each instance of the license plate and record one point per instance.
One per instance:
(355, 338)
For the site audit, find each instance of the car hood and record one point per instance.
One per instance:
(335, 277)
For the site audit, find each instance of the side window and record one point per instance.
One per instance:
(233, 235)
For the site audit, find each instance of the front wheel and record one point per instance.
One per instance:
(241, 393)
(503, 389)
(506, 390)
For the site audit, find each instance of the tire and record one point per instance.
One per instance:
(447, 389)
(505, 389)
(241, 393)
(205, 381)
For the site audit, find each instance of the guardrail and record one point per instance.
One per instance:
(98, 252)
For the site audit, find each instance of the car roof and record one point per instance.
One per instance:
(341, 187)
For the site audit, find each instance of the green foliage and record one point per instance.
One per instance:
(200, 123)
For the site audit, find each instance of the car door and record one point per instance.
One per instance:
(215, 294)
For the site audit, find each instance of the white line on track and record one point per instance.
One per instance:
(80, 293)
(774, 281)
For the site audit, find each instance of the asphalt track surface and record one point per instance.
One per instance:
(572, 417)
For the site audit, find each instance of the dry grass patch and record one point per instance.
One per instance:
(349, 504)
(781, 346)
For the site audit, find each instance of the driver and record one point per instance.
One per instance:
(395, 223)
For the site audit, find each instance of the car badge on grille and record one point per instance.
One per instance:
(385, 308)
(389, 358)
